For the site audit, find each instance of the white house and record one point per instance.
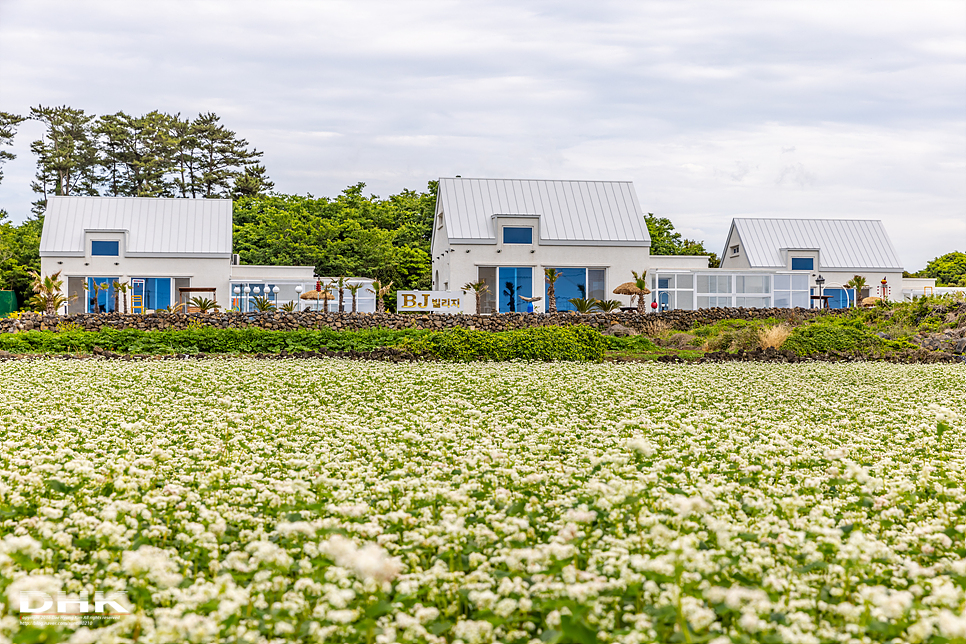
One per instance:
(807, 250)
(507, 231)
(167, 250)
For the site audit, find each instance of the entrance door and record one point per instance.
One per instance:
(514, 283)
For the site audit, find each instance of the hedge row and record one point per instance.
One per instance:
(539, 343)
(549, 343)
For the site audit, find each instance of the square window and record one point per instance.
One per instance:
(517, 235)
(101, 248)
(803, 264)
(734, 250)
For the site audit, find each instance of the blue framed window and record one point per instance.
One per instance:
(803, 264)
(571, 283)
(513, 284)
(517, 235)
(103, 301)
(101, 248)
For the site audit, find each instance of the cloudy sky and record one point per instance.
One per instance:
(714, 109)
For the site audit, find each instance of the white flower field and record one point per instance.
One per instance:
(238, 500)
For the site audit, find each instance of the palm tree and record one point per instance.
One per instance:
(551, 275)
(583, 304)
(341, 283)
(354, 289)
(327, 290)
(641, 282)
(263, 304)
(858, 283)
(121, 289)
(608, 305)
(94, 288)
(48, 292)
(479, 289)
(380, 291)
(204, 305)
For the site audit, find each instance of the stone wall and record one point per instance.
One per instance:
(282, 321)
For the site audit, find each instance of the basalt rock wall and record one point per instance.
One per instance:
(283, 321)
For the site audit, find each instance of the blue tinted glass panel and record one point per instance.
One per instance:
(517, 235)
(839, 297)
(103, 301)
(104, 248)
(157, 293)
(571, 283)
(802, 263)
(514, 283)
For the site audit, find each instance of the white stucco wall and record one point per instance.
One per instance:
(201, 272)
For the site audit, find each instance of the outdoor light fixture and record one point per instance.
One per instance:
(237, 290)
(248, 289)
(258, 291)
(820, 282)
(275, 290)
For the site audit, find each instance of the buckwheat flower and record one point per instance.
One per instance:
(952, 625)
(640, 445)
(920, 631)
(368, 562)
(473, 632)
(684, 506)
(31, 583)
(342, 616)
(287, 529)
(580, 515)
(153, 563)
(24, 545)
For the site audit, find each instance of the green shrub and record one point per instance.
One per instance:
(543, 343)
(839, 334)
(207, 340)
(550, 343)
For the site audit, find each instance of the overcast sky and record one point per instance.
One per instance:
(713, 109)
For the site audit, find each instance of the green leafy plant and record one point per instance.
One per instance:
(608, 306)
(583, 305)
(263, 304)
(479, 289)
(205, 305)
(550, 276)
(48, 289)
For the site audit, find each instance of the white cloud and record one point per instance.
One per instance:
(714, 109)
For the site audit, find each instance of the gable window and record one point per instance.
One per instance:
(734, 250)
(803, 263)
(101, 248)
(517, 235)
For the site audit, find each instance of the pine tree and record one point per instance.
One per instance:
(221, 156)
(67, 157)
(8, 128)
(138, 153)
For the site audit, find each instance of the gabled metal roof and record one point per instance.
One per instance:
(842, 243)
(571, 212)
(155, 227)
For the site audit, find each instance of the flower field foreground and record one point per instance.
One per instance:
(239, 500)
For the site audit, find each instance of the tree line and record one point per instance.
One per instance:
(122, 155)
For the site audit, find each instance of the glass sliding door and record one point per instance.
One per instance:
(514, 283)
(101, 301)
(571, 283)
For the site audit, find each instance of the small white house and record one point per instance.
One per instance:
(807, 250)
(507, 231)
(167, 251)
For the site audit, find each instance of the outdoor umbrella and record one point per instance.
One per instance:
(317, 295)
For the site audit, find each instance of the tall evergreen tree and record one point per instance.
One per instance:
(222, 156)
(138, 153)
(8, 128)
(67, 157)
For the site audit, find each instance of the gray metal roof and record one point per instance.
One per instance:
(842, 243)
(156, 227)
(571, 212)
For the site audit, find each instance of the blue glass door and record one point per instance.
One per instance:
(571, 283)
(101, 300)
(514, 283)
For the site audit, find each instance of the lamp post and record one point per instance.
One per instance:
(275, 291)
(298, 296)
(237, 292)
(248, 297)
(820, 282)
